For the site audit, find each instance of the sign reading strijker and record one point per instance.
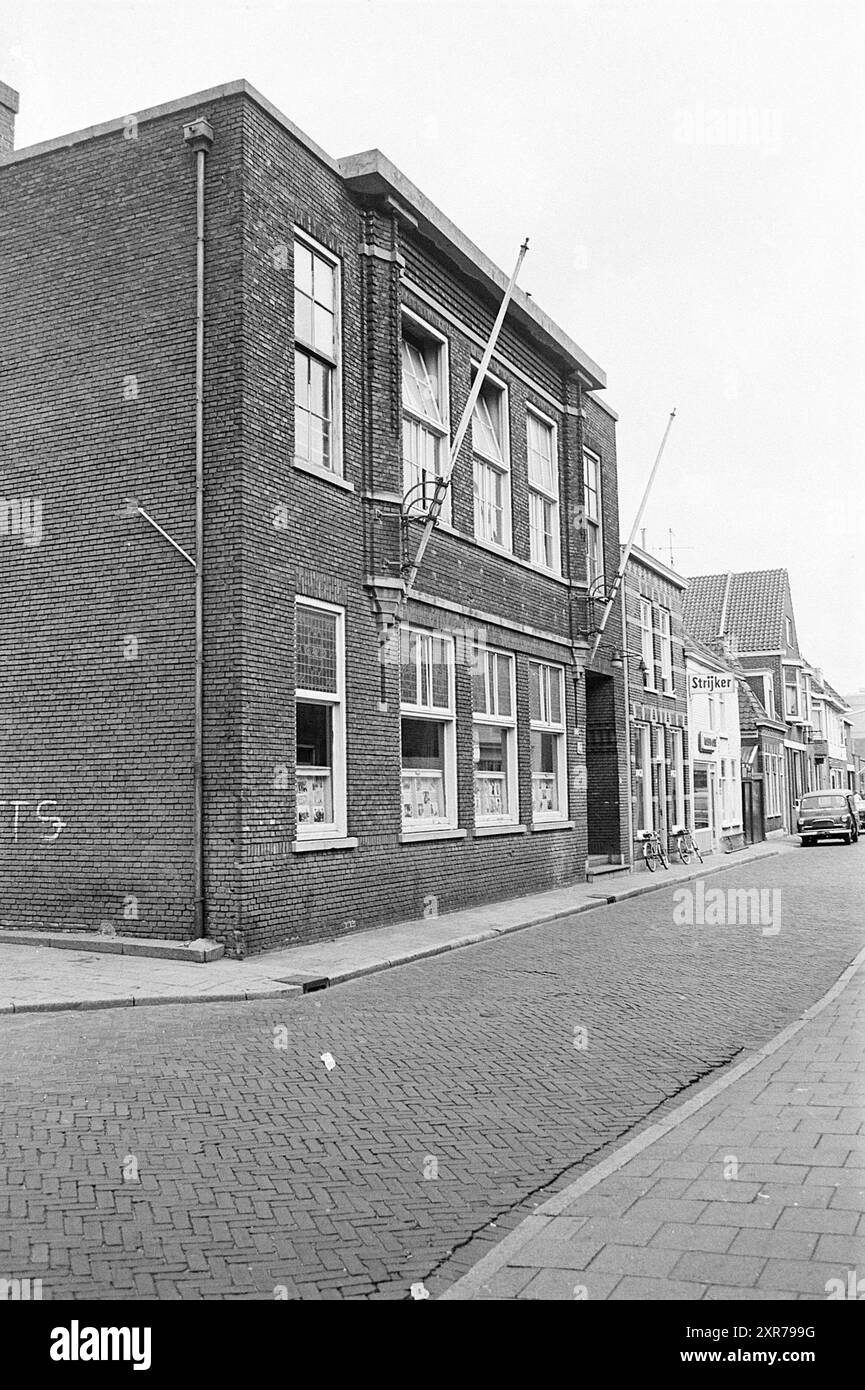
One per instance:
(713, 683)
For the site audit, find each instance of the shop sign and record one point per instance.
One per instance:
(706, 742)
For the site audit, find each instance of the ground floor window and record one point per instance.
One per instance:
(677, 776)
(549, 758)
(319, 720)
(494, 737)
(702, 800)
(428, 729)
(642, 778)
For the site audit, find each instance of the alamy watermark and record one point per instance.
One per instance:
(734, 907)
(21, 516)
(757, 127)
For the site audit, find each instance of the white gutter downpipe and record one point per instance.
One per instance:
(199, 137)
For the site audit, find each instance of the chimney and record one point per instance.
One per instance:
(8, 111)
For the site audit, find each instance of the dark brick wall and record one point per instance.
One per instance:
(102, 286)
(97, 300)
(648, 706)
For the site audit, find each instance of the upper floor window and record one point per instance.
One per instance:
(494, 738)
(425, 419)
(788, 632)
(666, 641)
(594, 521)
(549, 755)
(316, 357)
(491, 466)
(791, 693)
(543, 492)
(765, 682)
(428, 730)
(647, 645)
(320, 720)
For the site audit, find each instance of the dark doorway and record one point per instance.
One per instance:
(752, 812)
(602, 768)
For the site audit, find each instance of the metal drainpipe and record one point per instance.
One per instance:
(199, 137)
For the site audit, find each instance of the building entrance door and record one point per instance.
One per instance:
(705, 812)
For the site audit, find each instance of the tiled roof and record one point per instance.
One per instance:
(752, 605)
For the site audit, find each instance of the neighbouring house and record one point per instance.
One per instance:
(753, 612)
(359, 754)
(762, 765)
(657, 696)
(715, 746)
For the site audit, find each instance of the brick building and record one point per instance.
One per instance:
(753, 612)
(352, 771)
(716, 746)
(657, 696)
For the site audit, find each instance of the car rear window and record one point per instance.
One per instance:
(826, 802)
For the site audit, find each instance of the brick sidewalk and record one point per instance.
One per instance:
(754, 1189)
(41, 978)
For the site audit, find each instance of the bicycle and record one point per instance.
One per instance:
(685, 845)
(652, 849)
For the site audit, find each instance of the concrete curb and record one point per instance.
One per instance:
(489, 1265)
(339, 977)
(198, 952)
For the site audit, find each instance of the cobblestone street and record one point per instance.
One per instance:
(211, 1152)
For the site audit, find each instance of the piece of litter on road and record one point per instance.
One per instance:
(328, 1061)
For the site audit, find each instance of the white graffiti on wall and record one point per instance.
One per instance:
(14, 822)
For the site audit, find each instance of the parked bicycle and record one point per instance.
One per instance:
(685, 845)
(653, 850)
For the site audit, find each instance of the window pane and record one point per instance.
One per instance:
(423, 743)
(314, 764)
(490, 761)
(324, 336)
(487, 437)
(545, 781)
(503, 669)
(420, 380)
(316, 650)
(555, 715)
(534, 691)
(539, 438)
(440, 675)
(479, 689)
(324, 282)
(303, 318)
(302, 268)
(423, 769)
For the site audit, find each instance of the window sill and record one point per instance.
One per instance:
(324, 473)
(411, 837)
(334, 842)
(553, 825)
(481, 831)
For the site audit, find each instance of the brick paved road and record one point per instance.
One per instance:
(260, 1167)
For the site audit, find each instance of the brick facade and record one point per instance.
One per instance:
(652, 587)
(98, 297)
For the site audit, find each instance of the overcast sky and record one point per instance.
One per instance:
(690, 174)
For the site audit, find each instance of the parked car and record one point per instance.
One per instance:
(828, 815)
(860, 807)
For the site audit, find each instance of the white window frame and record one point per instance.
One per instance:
(492, 716)
(677, 763)
(796, 716)
(418, 328)
(540, 491)
(647, 641)
(500, 466)
(594, 525)
(446, 716)
(710, 705)
(767, 686)
(665, 633)
(335, 363)
(643, 767)
(335, 829)
(545, 725)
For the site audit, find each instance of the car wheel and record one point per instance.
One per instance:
(807, 841)
(847, 839)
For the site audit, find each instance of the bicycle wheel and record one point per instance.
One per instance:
(697, 852)
(649, 856)
(684, 850)
(663, 858)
